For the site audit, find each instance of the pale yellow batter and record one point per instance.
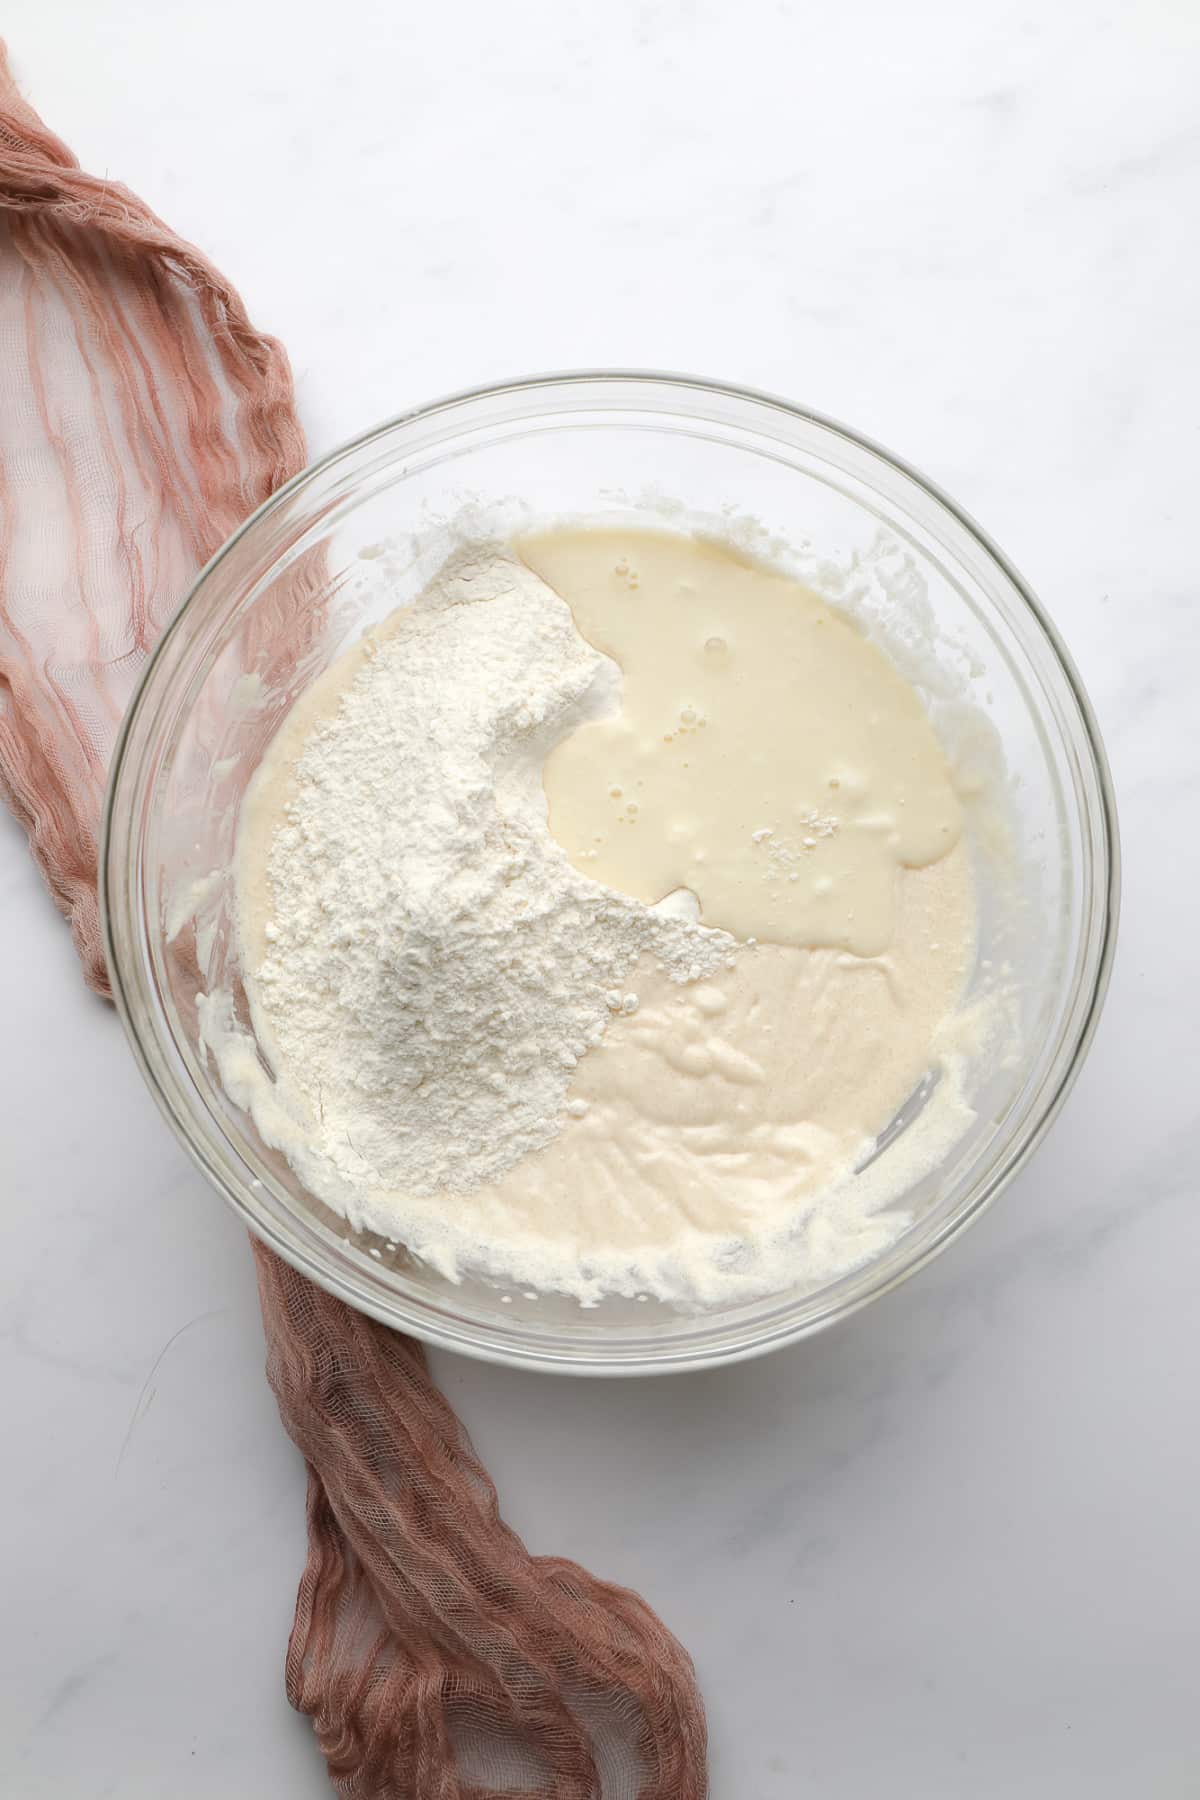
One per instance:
(766, 755)
(770, 759)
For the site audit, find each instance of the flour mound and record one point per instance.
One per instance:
(436, 967)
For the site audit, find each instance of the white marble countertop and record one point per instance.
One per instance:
(949, 1548)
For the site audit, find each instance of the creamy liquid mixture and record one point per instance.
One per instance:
(753, 765)
(766, 755)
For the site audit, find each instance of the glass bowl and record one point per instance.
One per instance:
(334, 551)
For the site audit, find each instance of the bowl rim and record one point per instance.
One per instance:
(1106, 888)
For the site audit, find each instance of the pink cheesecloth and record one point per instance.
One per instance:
(143, 418)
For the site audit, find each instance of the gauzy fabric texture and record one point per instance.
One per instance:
(143, 417)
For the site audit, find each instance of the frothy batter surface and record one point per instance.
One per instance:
(636, 1039)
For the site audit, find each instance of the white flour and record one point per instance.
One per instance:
(435, 968)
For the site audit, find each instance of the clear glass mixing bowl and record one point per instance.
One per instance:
(333, 552)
